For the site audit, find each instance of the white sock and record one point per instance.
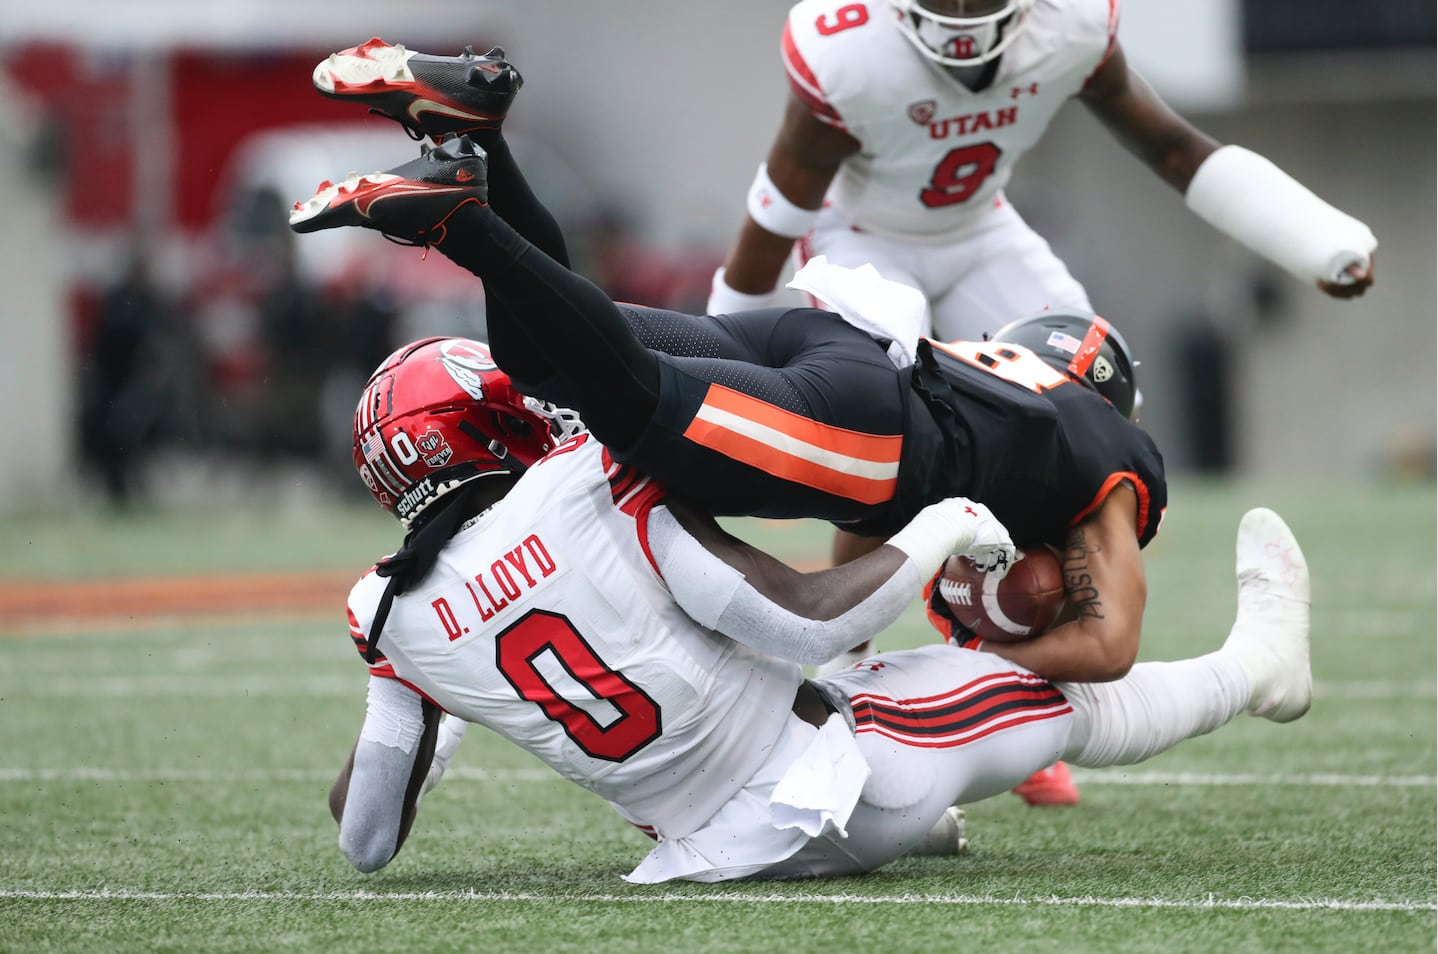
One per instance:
(1156, 706)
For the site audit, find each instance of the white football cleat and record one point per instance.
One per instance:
(1270, 633)
(946, 838)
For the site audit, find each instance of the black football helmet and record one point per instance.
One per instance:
(1083, 346)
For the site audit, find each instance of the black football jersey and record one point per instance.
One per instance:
(1006, 429)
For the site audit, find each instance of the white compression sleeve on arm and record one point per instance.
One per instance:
(1247, 197)
(717, 596)
(383, 762)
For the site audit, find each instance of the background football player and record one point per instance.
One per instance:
(905, 119)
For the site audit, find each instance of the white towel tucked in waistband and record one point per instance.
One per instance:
(869, 302)
(804, 791)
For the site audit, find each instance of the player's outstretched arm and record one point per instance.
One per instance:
(1237, 191)
(1107, 590)
(756, 599)
(782, 203)
(376, 795)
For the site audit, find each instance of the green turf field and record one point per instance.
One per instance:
(163, 782)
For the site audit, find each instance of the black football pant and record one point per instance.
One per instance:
(641, 377)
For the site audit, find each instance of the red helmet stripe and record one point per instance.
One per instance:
(1088, 348)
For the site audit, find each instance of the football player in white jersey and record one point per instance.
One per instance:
(571, 605)
(904, 121)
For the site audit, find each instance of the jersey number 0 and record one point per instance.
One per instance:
(539, 633)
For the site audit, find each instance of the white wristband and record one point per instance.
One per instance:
(724, 300)
(1250, 199)
(930, 538)
(771, 209)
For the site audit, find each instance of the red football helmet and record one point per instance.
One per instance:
(439, 413)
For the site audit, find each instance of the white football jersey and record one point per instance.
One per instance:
(935, 154)
(546, 621)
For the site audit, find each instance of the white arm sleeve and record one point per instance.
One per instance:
(384, 760)
(1252, 200)
(717, 596)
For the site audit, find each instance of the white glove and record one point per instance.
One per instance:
(724, 300)
(960, 526)
(451, 732)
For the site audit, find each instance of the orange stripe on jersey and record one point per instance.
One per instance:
(1139, 487)
(1088, 348)
(845, 463)
(805, 84)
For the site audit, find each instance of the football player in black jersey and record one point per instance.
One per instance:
(783, 412)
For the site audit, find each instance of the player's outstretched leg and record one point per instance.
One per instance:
(410, 203)
(1263, 667)
(1270, 634)
(435, 96)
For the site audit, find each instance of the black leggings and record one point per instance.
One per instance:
(560, 337)
(640, 376)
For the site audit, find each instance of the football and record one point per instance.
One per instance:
(1022, 604)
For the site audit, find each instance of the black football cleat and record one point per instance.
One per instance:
(410, 203)
(434, 96)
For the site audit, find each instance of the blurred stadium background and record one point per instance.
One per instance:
(164, 332)
(182, 523)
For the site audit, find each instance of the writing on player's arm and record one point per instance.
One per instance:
(376, 796)
(1146, 126)
(753, 598)
(802, 162)
(1107, 590)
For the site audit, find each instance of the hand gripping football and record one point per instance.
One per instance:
(1022, 604)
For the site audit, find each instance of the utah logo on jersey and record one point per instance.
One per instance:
(923, 112)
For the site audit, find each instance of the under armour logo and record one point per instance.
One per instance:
(1032, 89)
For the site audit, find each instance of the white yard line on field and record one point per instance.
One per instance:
(17, 685)
(1241, 903)
(508, 776)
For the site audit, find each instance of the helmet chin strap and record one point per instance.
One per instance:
(511, 464)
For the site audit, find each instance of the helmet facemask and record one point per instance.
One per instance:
(967, 32)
